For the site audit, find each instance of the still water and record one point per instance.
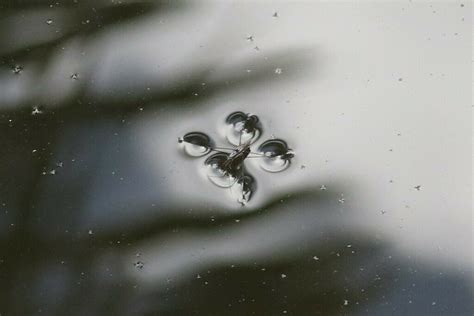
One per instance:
(229, 158)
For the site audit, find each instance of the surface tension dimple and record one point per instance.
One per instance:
(195, 144)
(242, 128)
(277, 156)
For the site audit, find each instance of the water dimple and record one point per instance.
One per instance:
(195, 144)
(242, 128)
(216, 171)
(243, 189)
(277, 156)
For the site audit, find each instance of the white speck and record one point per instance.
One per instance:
(283, 276)
(433, 303)
(237, 220)
(90, 232)
(342, 200)
(315, 258)
(322, 187)
(349, 246)
(52, 172)
(49, 21)
(59, 164)
(278, 71)
(198, 276)
(346, 302)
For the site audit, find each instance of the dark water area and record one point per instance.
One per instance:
(129, 192)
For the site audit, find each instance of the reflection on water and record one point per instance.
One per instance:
(100, 214)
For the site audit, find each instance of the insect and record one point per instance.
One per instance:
(225, 166)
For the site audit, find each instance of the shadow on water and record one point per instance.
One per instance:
(328, 270)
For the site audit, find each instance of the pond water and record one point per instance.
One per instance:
(353, 196)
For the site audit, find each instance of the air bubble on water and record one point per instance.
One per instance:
(242, 128)
(195, 144)
(216, 171)
(277, 156)
(243, 189)
(278, 71)
(17, 69)
(139, 265)
(49, 21)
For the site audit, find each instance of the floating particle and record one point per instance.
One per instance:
(322, 187)
(346, 302)
(49, 21)
(52, 172)
(278, 71)
(283, 275)
(139, 265)
(250, 38)
(90, 232)
(59, 164)
(418, 187)
(302, 167)
(400, 79)
(74, 76)
(316, 258)
(17, 69)
(462, 5)
(256, 48)
(342, 200)
(36, 110)
(275, 15)
(198, 276)
(383, 212)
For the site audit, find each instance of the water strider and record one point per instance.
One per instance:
(225, 167)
